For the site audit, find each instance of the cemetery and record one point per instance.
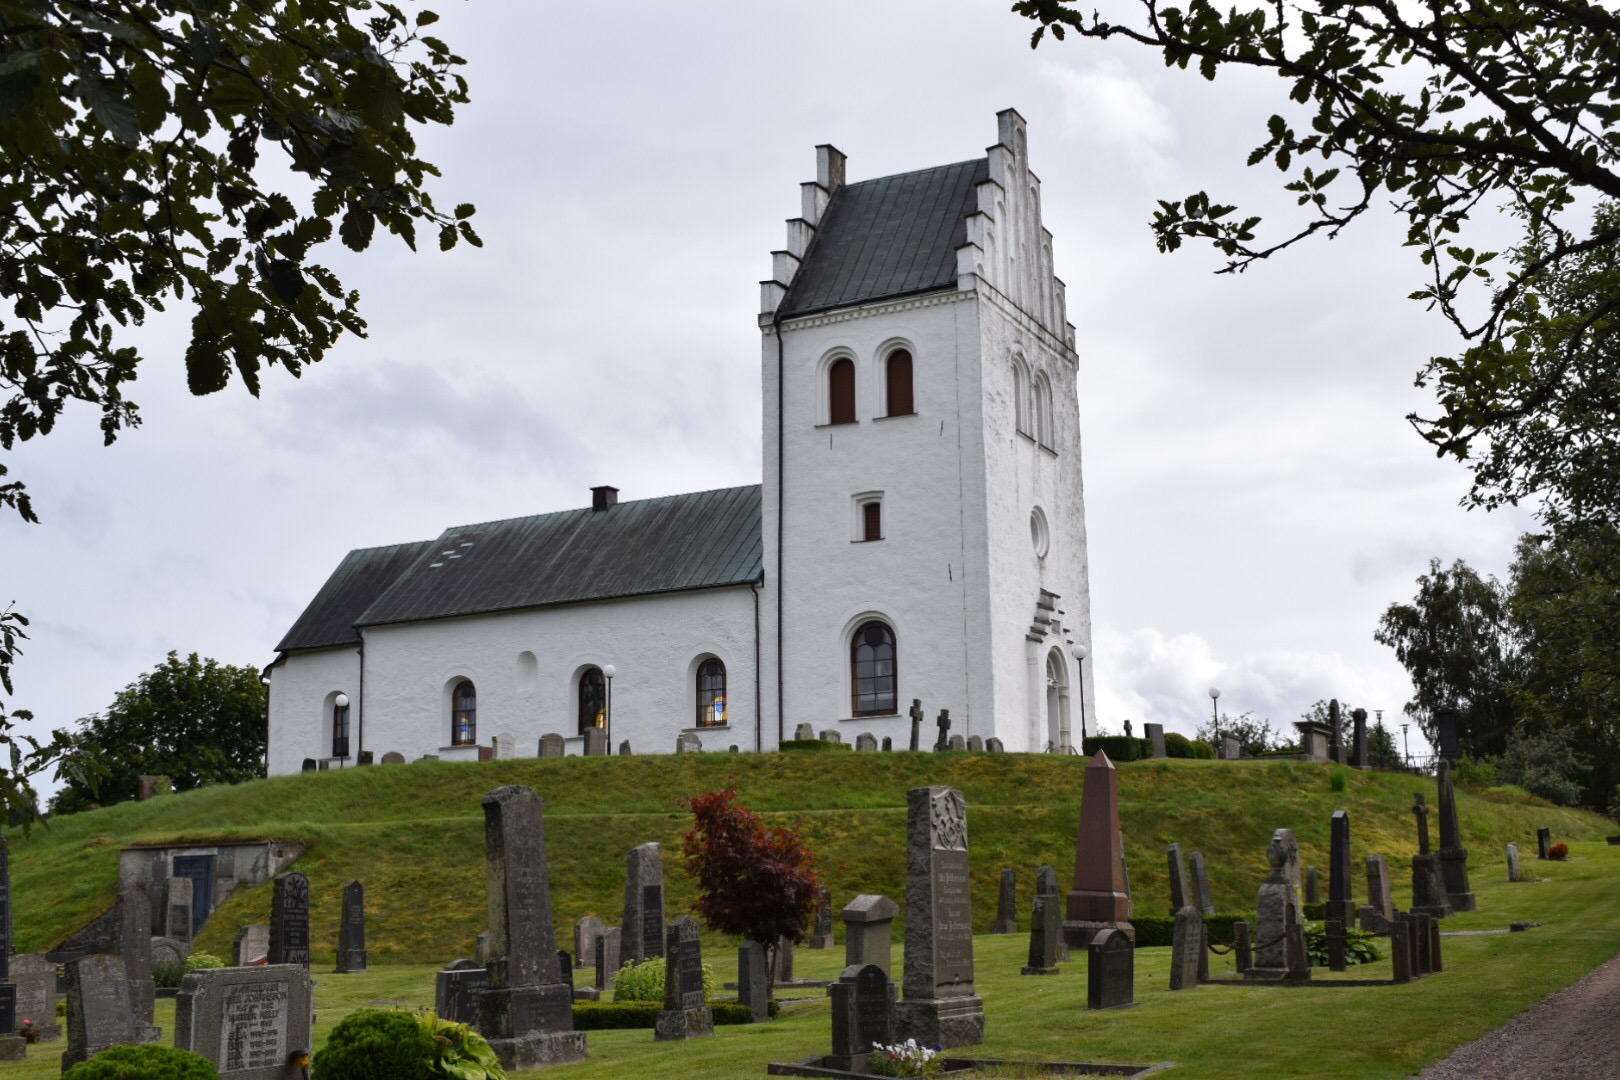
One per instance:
(1019, 915)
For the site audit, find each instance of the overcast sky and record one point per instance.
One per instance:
(1254, 495)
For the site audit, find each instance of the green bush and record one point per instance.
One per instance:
(377, 1044)
(1177, 745)
(202, 961)
(1481, 775)
(167, 975)
(460, 1052)
(1358, 946)
(1118, 747)
(812, 746)
(645, 981)
(607, 1015)
(1339, 779)
(144, 1063)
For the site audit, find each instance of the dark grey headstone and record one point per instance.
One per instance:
(595, 742)
(1007, 902)
(527, 1012)
(1046, 881)
(863, 1016)
(1340, 903)
(888, 744)
(553, 744)
(1155, 734)
(606, 955)
(804, 733)
(351, 958)
(993, 745)
(133, 941)
(643, 922)
(624, 748)
(289, 920)
(1453, 856)
(1045, 931)
(586, 931)
(393, 757)
(752, 988)
(782, 961)
(1242, 950)
(1179, 895)
(565, 968)
(98, 1007)
(1313, 887)
(1358, 743)
(1334, 931)
(458, 991)
(865, 742)
(940, 1006)
(916, 715)
(1400, 951)
(1199, 880)
(975, 744)
(309, 765)
(1186, 946)
(1543, 842)
(247, 1021)
(684, 1016)
(958, 743)
(821, 931)
(1445, 722)
(943, 743)
(1110, 970)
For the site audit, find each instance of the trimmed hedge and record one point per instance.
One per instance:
(812, 746)
(605, 1015)
(1177, 745)
(1157, 930)
(144, 1063)
(1118, 747)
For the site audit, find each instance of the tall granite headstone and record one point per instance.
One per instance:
(1378, 890)
(684, 1015)
(527, 1012)
(351, 957)
(1178, 878)
(821, 930)
(1186, 949)
(1100, 898)
(1007, 903)
(1154, 733)
(606, 955)
(133, 940)
(1400, 948)
(247, 1021)
(1340, 903)
(863, 1008)
(1200, 897)
(289, 920)
(868, 931)
(916, 715)
(752, 988)
(98, 1008)
(1428, 883)
(177, 909)
(940, 1007)
(1336, 739)
(1445, 722)
(1513, 862)
(1045, 930)
(1110, 970)
(1453, 856)
(643, 923)
(1279, 929)
(1543, 842)
(1358, 743)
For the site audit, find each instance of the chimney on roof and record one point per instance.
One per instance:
(604, 497)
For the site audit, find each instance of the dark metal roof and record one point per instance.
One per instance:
(360, 578)
(694, 541)
(893, 236)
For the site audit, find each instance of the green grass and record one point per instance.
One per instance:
(414, 834)
(1213, 1032)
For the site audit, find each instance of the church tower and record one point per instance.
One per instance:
(923, 510)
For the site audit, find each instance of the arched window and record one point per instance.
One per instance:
(1043, 410)
(841, 391)
(464, 714)
(897, 373)
(872, 671)
(592, 700)
(711, 693)
(1021, 395)
(340, 728)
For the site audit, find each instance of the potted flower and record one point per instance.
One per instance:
(28, 1031)
(905, 1059)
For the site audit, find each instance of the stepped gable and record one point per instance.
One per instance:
(889, 237)
(362, 576)
(700, 540)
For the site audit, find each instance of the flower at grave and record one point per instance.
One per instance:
(1558, 851)
(905, 1059)
(28, 1031)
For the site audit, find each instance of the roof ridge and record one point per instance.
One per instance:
(587, 509)
(914, 172)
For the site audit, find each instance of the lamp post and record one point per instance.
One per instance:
(342, 702)
(607, 711)
(1080, 665)
(1215, 718)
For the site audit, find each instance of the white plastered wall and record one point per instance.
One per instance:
(301, 689)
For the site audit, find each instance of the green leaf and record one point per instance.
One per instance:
(286, 280)
(114, 113)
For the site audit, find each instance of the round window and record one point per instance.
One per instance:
(1038, 535)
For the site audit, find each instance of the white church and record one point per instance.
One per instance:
(919, 532)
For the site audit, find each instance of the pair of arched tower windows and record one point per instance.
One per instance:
(898, 397)
(1032, 403)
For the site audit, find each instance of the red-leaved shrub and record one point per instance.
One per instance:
(1558, 851)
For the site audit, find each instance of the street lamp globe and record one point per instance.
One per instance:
(1080, 652)
(341, 701)
(610, 671)
(1214, 692)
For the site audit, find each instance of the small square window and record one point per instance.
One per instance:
(868, 521)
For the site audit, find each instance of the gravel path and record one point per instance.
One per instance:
(1573, 1035)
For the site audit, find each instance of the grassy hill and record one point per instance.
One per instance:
(414, 834)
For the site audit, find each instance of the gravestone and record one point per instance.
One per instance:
(940, 1007)
(458, 990)
(688, 743)
(1045, 930)
(1340, 904)
(1178, 879)
(1358, 741)
(289, 920)
(1291, 864)
(309, 765)
(943, 743)
(1428, 884)
(868, 930)
(133, 942)
(504, 746)
(565, 969)
(1336, 738)
(1313, 888)
(804, 733)
(99, 1013)
(1186, 949)
(821, 931)
(1421, 925)
(684, 1016)
(8, 989)
(527, 1011)
(888, 744)
(35, 980)
(168, 952)
(1154, 733)
(1200, 897)
(1445, 722)
(916, 715)
(1434, 943)
(1513, 862)
(481, 949)
(1046, 884)
(1100, 898)
(863, 1009)
(993, 745)
(393, 757)
(1279, 931)
(586, 931)
(351, 957)
(595, 742)
(1378, 891)
(832, 735)
(1007, 903)
(1231, 749)
(428, 757)
(1543, 842)
(1333, 931)
(1110, 970)
(624, 748)
(1400, 949)
(643, 922)
(365, 758)
(553, 745)
(865, 742)
(606, 955)
(752, 988)
(1453, 856)
(177, 909)
(975, 744)
(1242, 949)
(782, 961)
(957, 743)
(247, 1021)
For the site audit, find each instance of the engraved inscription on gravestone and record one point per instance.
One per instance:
(652, 920)
(953, 919)
(691, 972)
(253, 1027)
